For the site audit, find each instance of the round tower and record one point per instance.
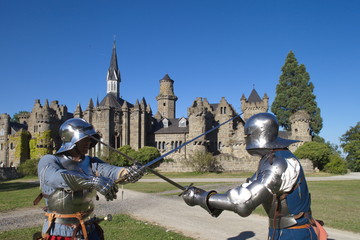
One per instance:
(166, 98)
(300, 126)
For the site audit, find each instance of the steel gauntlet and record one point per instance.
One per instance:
(79, 181)
(197, 196)
(134, 173)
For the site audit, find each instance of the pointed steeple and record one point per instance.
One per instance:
(113, 75)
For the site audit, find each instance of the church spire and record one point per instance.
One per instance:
(113, 75)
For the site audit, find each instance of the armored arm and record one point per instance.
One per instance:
(79, 181)
(261, 188)
(133, 173)
(197, 196)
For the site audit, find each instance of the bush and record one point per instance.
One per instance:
(318, 153)
(143, 156)
(336, 165)
(203, 162)
(29, 167)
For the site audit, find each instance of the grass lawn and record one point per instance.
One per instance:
(121, 227)
(337, 203)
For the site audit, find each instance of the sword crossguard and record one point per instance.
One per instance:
(187, 188)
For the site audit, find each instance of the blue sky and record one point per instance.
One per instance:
(60, 50)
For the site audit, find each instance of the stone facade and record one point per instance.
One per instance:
(120, 123)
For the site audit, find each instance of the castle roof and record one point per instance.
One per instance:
(111, 101)
(254, 97)
(172, 128)
(113, 72)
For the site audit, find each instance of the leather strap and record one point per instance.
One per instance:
(300, 226)
(78, 215)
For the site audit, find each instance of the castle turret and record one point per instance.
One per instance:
(300, 126)
(166, 98)
(254, 104)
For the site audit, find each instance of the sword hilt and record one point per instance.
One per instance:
(187, 188)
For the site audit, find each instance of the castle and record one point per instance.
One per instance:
(120, 123)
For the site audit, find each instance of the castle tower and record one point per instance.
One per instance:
(4, 135)
(166, 98)
(254, 104)
(198, 115)
(300, 126)
(113, 75)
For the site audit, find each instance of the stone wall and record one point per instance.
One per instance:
(7, 173)
(228, 163)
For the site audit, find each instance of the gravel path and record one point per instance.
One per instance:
(172, 213)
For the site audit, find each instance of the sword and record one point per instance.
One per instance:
(147, 165)
(132, 160)
(186, 143)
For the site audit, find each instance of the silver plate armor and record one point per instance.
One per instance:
(261, 132)
(72, 131)
(265, 185)
(69, 202)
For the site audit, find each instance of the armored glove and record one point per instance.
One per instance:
(79, 181)
(134, 173)
(197, 196)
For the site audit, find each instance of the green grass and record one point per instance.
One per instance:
(121, 227)
(337, 203)
(16, 194)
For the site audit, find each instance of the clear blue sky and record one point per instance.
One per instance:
(60, 50)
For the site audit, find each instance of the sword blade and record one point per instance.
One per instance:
(186, 143)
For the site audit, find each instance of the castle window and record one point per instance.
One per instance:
(182, 122)
(11, 146)
(165, 122)
(2, 132)
(1, 147)
(164, 104)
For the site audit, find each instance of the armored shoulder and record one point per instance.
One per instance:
(270, 172)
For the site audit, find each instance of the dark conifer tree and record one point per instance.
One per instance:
(294, 92)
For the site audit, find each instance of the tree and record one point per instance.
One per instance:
(143, 156)
(294, 92)
(350, 142)
(318, 153)
(15, 118)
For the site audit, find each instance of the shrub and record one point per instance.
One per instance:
(29, 167)
(203, 162)
(336, 165)
(318, 153)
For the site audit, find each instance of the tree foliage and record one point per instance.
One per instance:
(15, 118)
(350, 142)
(29, 167)
(318, 153)
(294, 92)
(143, 156)
(336, 165)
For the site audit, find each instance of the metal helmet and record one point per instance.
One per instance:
(262, 131)
(73, 130)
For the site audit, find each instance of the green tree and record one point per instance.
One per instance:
(294, 92)
(336, 165)
(318, 153)
(15, 118)
(147, 154)
(350, 142)
(29, 167)
(143, 156)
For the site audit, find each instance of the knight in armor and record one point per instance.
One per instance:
(279, 185)
(70, 181)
